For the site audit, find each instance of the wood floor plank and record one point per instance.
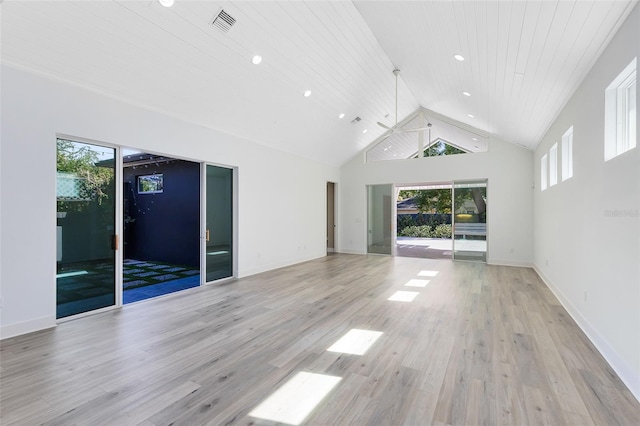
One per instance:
(542, 408)
(557, 373)
(478, 344)
(510, 400)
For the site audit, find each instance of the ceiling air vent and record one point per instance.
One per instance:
(223, 21)
(356, 120)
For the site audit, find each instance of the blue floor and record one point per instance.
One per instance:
(147, 292)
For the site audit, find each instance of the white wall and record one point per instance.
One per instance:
(509, 195)
(587, 229)
(282, 197)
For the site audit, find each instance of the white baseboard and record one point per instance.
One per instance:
(503, 262)
(630, 377)
(349, 251)
(17, 329)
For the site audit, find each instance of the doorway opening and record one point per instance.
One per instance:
(161, 225)
(133, 225)
(445, 220)
(85, 230)
(218, 200)
(380, 227)
(470, 220)
(424, 222)
(331, 216)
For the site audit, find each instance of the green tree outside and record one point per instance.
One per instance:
(440, 148)
(81, 161)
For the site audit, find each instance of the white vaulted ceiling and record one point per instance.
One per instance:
(174, 61)
(523, 61)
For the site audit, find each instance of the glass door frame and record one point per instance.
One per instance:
(203, 223)
(428, 186)
(118, 225)
(392, 225)
(453, 220)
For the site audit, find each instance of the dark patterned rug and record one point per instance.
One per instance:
(138, 273)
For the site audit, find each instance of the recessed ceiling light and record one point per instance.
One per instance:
(466, 93)
(256, 59)
(341, 115)
(307, 93)
(459, 57)
(364, 131)
(166, 3)
(470, 115)
(474, 139)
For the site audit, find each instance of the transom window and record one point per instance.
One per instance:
(544, 172)
(425, 134)
(620, 113)
(553, 165)
(567, 154)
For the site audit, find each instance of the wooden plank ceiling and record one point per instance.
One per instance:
(523, 60)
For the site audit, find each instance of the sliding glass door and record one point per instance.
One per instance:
(85, 231)
(218, 201)
(470, 220)
(380, 213)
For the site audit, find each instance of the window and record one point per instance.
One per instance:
(150, 184)
(543, 173)
(567, 154)
(553, 165)
(620, 113)
(437, 138)
(441, 147)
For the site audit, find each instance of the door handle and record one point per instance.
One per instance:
(207, 235)
(115, 242)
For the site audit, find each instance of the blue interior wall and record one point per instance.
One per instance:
(163, 226)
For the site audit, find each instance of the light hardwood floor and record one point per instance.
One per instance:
(478, 345)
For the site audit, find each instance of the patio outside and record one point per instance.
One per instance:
(426, 217)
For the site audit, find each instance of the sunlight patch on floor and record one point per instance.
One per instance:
(417, 283)
(356, 342)
(403, 296)
(427, 273)
(293, 402)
